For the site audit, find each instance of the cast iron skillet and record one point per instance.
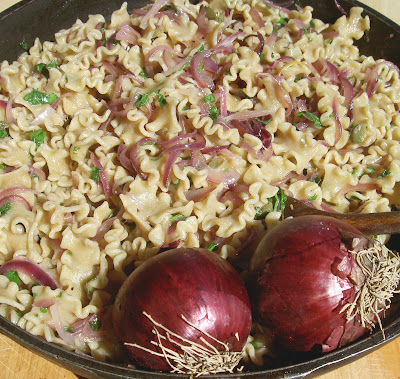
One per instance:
(42, 18)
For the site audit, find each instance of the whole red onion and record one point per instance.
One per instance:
(188, 300)
(319, 283)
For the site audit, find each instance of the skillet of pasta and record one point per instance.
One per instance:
(178, 125)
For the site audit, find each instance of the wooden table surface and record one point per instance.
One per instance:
(17, 362)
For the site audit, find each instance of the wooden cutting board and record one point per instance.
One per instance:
(17, 362)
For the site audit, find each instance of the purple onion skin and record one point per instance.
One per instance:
(192, 282)
(296, 289)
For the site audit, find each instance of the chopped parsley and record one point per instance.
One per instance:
(213, 112)
(259, 212)
(42, 68)
(5, 209)
(313, 118)
(2, 166)
(312, 23)
(43, 309)
(12, 276)
(36, 97)
(95, 325)
(37, 136)
(212, 246)
(178, 217)
(94, 174)
(263, 122)
(282, 21)
(161, 100)
(313, 197)
(143, 74)
(148, 143)
(209, 99)
(255, 343)
(68, 328)
(278, 201)
(24, 45)
(114, 42)
(76, 149)
(3, 129)
(144, 98)
(385, 172)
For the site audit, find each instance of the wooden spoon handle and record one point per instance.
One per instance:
(368, 223)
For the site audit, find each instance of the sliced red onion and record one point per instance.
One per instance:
(41, 117)
(200, 75)
(44, 303)
(110, 43)
(179, 67)
(360, 187)
(123, 159)
(197, 159)
(202, 22)
(15, 191)
(198, 144)
(133, 156)
(158, 4)
(213, 150)
(271, 40)
(127, 34)
(302, 106)
(340, 8)
(281, 8)
(227, 178)
(257, 154)
(168, 166)
(371, 77)
(330, 34)
(327, 69)
(164, 49)
(198, 194)
(15, 199)
(229, 195)
(246, 115)
(223, 107)
(283, 97)
(38, 172)
(103, 229)
(110, 67)
(227, 42)
(170, 245)
(174, 141)
(339, 129)
(55, 103)
(63, 334)
(288, 176)
(9, 116)
(34, 271)
(256, 17)
(347, 91)
(105, 184)
(127, 72)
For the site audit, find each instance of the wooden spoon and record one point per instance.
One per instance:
(368, 223)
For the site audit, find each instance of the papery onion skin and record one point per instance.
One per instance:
(296, 288)
(190, 282)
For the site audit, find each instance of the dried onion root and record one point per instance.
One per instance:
(195, 359)
(381, 270)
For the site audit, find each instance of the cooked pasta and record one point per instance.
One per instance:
(179, 125)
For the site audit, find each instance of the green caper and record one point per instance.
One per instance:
(216, 162)
(358, 133)
(210, 13)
